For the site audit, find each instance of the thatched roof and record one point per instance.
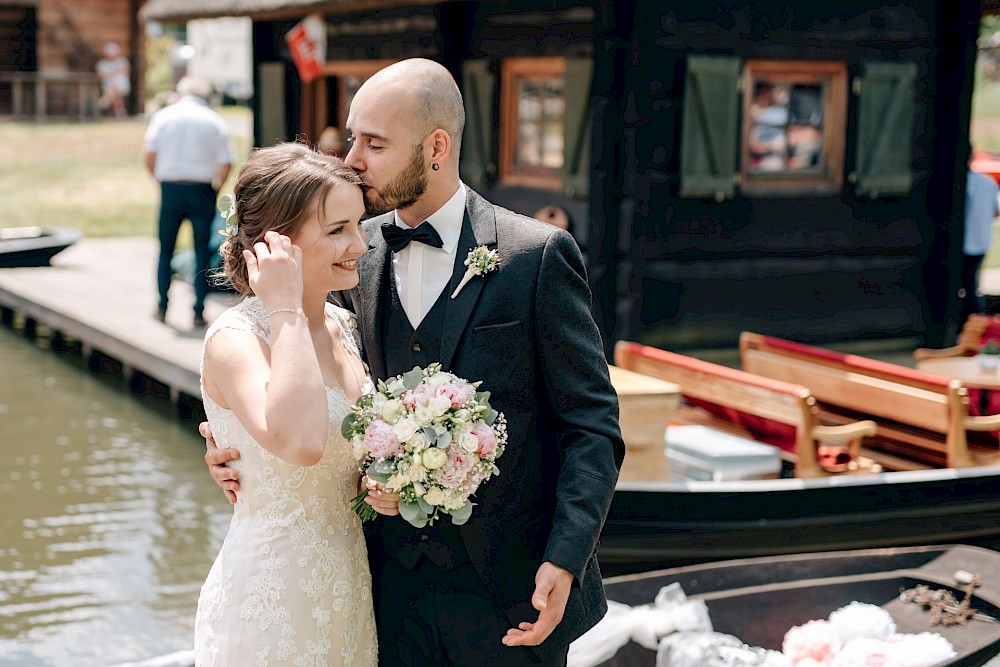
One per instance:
(177, 11)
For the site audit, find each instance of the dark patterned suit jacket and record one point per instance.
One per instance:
(527, 332)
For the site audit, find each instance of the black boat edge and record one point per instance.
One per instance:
(669, 524)
(793, 589)
(34, 246)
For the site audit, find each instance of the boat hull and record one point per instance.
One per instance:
(652, 526)
(757, 600)
(36, 249)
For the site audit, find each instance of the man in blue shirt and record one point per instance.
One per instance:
(981, 207)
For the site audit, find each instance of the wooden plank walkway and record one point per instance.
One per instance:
(102, 293)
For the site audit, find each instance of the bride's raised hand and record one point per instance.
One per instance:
(274, 271)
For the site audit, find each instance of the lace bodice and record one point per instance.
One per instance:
(291, 584)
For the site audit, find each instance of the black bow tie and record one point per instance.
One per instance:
(398, 237)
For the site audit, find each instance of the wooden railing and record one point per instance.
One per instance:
(50, 95)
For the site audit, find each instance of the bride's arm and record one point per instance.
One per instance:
(277, 393)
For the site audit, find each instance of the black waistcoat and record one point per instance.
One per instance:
(404, 348)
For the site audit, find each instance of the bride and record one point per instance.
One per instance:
(280, 371)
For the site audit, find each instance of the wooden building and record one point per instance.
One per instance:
(49, 49)
(794, 168)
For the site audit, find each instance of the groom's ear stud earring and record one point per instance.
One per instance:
(435, 166)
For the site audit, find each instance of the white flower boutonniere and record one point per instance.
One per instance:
(480, 262)
(227, 206)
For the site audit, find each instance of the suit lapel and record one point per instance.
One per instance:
(478, 228)
(373, 289)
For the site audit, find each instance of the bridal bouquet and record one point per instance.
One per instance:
(432, 437)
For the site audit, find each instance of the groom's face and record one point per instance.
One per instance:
(385, 151)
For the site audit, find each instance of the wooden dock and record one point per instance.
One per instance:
(102, 294)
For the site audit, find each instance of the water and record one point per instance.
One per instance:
(109, 520)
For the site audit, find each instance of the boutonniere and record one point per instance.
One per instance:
(480, 262)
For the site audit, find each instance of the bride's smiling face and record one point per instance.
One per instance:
(332, 239)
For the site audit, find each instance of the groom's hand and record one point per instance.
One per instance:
(552, 585)
(216, 458)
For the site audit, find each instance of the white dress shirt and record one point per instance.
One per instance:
(190, 140)
(422, 272)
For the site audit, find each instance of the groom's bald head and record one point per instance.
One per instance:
(430, 92)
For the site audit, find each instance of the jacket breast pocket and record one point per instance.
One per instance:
(494, 334)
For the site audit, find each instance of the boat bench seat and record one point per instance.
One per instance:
(775, 412)
(923, 419)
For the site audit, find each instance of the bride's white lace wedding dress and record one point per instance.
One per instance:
(291, 585)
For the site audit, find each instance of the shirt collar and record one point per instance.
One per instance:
(447, 220)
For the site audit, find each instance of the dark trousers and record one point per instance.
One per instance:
(972, 302)
(428, 617)
(194, 202)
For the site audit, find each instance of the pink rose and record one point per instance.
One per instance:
(456, 469)
(458, 394)
(814, 641)
(381, 441)
(487, 440)
(418, 396)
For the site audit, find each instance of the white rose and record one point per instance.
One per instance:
(433, 458)
(419, 441)
(378, 401)
(468, 442)
(405, 429)
(439, 405)
(424, 415)
(438, 379)
(434, 496)
(391, 410)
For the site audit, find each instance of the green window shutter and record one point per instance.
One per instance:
(884, 150)
(576, 166)
(476, 164)
(709, 138)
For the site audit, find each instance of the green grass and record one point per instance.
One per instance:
(87, 175)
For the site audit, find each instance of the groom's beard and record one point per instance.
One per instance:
(402, 192)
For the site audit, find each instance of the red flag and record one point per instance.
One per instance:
(307, 41)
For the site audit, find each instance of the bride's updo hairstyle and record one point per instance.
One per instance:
(278, 188)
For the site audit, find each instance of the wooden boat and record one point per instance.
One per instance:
(34, 246)
(654, 525)
(758, 599)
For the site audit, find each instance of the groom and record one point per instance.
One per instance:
(519, 581)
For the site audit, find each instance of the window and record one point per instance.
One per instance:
(533, 121)
(788, 135)
(793, 126)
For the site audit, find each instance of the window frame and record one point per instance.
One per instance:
(833, 76)
(511, 71)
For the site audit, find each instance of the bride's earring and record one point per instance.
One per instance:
(435, 166)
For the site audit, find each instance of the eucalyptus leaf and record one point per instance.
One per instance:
(347, 426)
(427, 508)
(381, 471)
(483, 397)
(443, 440)
(462, 514)
(412, 379)
(411, 512)
(491, 417)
